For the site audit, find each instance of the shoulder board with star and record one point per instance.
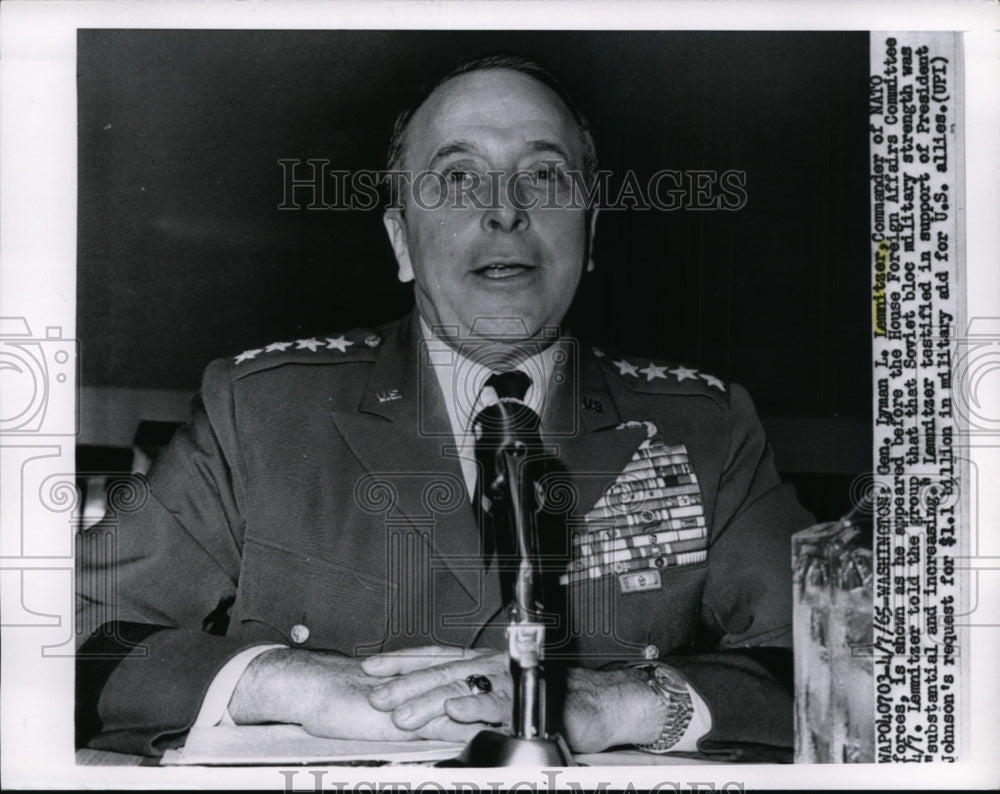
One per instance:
(658, 376)
(357, 345)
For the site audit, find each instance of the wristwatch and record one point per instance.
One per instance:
(674, 692)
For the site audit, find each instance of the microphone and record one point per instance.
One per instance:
(530, 742)
(525, 630)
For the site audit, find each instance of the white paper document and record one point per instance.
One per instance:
(289, 744)
(260, 745)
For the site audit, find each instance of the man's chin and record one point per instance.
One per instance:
(503, 329)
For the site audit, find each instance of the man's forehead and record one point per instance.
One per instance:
(495, 102)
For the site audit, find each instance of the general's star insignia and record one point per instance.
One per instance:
(247, 355)
(711, 380)
(276, 347)
(598, 352)
(652, 372)
(310, 344)
(683, 373)
(626, 368)
(339, 343)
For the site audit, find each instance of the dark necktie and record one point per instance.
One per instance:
(495, 427)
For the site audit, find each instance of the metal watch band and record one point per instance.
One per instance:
(680, 710)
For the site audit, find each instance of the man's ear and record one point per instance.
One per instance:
(395, 227)
(590, 241)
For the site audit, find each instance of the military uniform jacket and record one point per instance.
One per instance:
(312, 501)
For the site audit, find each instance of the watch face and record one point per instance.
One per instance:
(665, 678)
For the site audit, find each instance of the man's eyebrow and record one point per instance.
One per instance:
(548, 146)
(465, 147)
(454, 147)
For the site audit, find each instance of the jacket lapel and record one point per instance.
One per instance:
(401, 435)
(582, 423)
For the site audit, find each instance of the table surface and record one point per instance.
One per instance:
(88, 757)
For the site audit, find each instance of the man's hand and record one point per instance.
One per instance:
(428, 684)
(328, 695)
(603, 708)
(607, 708)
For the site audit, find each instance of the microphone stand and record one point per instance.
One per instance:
(530, 743)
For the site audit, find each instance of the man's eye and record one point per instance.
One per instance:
(548, 171)
(462, 178)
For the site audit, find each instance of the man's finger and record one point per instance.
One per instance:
(397, 691)
(493, 707)
(447, 730)
(419, 711)
(410, 659)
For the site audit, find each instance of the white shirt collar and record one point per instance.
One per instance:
(462, 379)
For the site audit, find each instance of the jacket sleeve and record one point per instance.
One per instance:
(743, 664)
(155, 581)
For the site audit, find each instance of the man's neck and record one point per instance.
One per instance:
(462, 383)
(497, 352)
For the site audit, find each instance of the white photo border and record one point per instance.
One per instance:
(37, 272)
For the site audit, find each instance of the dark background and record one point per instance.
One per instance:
(184, 256)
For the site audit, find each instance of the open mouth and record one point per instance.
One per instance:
(502, 270)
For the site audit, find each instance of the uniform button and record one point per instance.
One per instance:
(373, 340)
(299, 633)
(650, 652)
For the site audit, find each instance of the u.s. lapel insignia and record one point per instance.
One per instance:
(650, 520)
(387, 395)
(593, 405)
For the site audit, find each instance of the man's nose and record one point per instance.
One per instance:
(509, 210)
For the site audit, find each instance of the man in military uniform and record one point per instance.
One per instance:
(311, 549)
